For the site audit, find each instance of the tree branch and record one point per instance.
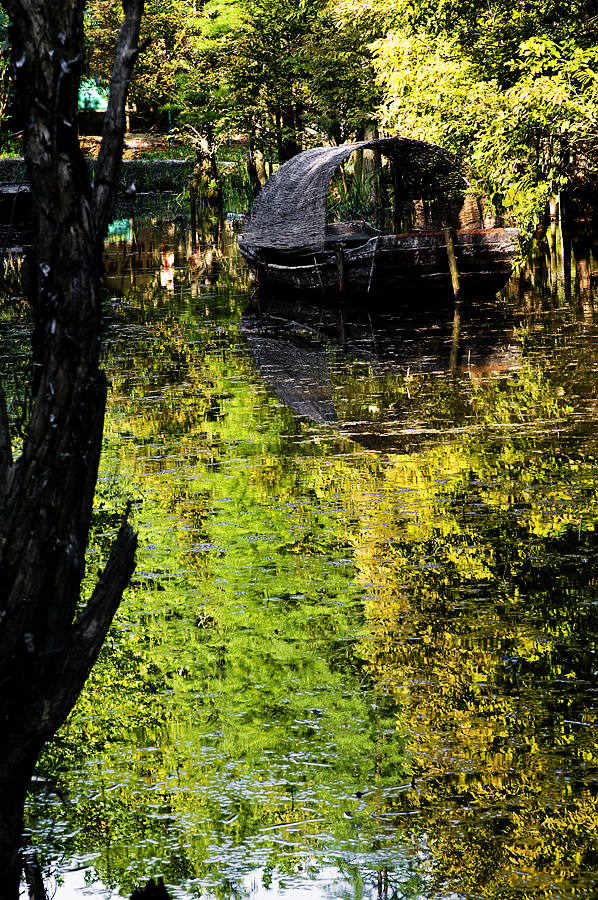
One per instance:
(92, 625)
(109, 159)
(90, 629)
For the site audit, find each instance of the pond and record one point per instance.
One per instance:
(358, 655)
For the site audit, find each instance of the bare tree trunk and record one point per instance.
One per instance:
(254, 181)
(48, 643)
(14, 789)
(260, 165)
(289, 145)
(358, 166)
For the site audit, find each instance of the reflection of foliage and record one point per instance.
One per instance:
(476, 400)
(5, 87)
(11, 273)
(312, 625)
(489, 616)
(233, 659)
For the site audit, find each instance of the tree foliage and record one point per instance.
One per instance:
(526, 137)
(511, 86)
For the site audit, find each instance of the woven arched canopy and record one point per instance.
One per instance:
(290, 211)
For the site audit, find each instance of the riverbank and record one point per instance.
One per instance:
(136, 175)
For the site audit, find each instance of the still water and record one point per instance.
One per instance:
(358, 656)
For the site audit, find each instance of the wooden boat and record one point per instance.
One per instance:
(289, 244)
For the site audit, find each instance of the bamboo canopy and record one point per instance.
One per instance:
(290, 211)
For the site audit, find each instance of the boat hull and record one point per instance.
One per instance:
(484, 260)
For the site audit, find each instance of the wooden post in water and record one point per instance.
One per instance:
(552, 249)
(396, 204)
(260, 274)
(456, 337)
(565, 247)
(373, 266)
(452, 258)
(193, 203)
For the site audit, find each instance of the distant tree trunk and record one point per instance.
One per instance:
(380, 198)
(256, 171)
(278, 133)
(298, 115)
(290, 142)
(48, 640)
(252, 174)
(260, 164)
(285, 130)
(358, 165)
(206, 183)
(213, 163)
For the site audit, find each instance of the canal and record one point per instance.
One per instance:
(358, 655)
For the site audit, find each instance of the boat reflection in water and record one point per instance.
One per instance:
(299, 347)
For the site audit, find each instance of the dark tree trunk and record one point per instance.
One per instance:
(14, 789)
(289, 145)
(359, 136)
(48, 643)
(218, 199)
(253, 176)
(285, 123)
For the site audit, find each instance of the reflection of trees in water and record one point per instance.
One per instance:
(11, 269)
(561, 265)
(243, 640)
(483, 564)
(477, 554)
(150, 253)
(234, 658)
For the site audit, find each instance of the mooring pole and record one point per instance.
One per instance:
(565, 247)
(455, 338)
(260, 274)
(193, 203)
(373, 266)
(319, 274)
(396, 203)
(452, 258)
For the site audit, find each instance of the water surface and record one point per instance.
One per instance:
(358, 656)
